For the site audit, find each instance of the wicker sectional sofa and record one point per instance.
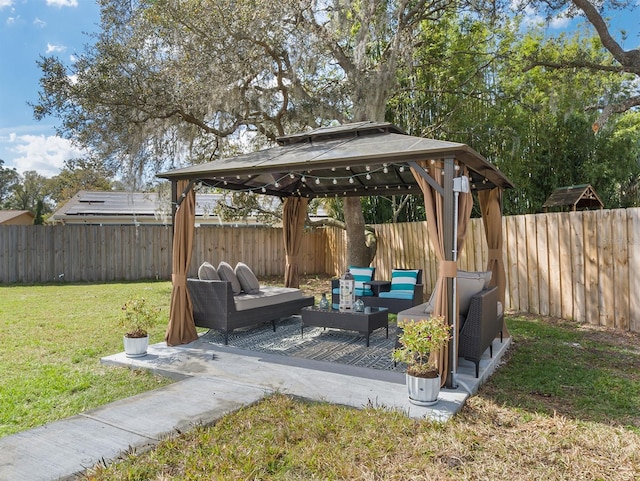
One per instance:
(216, 307)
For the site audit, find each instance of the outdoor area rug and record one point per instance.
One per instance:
(330, 345)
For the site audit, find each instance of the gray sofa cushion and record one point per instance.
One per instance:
(268, 296)
(207, 272)
(247, 278)
(226, 273)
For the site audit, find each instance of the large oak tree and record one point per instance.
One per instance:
(170, 82)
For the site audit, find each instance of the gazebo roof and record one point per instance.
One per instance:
(358, 159)
(576, 196)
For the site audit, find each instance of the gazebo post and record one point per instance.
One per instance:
(449, 246)
(174, 204)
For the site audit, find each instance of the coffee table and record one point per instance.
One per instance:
(364, 322)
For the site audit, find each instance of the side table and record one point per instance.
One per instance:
(378, 286)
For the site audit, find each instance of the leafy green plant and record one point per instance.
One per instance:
(138, 317)
(420, 338)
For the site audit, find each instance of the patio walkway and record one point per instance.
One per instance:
(213, 381)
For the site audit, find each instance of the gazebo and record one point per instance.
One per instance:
(358, 159)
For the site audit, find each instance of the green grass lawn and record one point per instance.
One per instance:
(564, 405)
(51, 340)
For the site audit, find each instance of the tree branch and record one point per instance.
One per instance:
(574, 64)
(629, 59)
(610, 109)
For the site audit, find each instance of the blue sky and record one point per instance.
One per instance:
(30, 28)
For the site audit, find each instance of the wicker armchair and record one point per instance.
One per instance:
(481, 326)
(397, 304)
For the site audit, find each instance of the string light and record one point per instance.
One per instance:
(365, 174)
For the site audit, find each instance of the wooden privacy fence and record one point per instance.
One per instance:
(575, 265)
(84, 253)
(579, 265)
(91, 253)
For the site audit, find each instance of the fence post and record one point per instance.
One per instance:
(634, 268)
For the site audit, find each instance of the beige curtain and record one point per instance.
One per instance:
(465, 206)
(491, 208)
(182, 329)
(434, 203)
(295, 213)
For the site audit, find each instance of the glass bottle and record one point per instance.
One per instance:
(324, 302)
(358, 306)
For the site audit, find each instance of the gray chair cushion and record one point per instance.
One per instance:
(226, 273)
(431, 303)
(247, 278)
(468, 285)
(485, 275)
(206, 272)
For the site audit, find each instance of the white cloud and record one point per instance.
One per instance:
(61, 3)
(44, 154)
(532, 17)
(560, 21)
(5, 3)
(39, 23)
(11, 20)
(55, 48)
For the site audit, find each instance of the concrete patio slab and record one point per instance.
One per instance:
(212, 381)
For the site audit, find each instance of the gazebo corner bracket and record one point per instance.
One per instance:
(434, 185)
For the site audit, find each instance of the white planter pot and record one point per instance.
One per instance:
(135, 346)
(423, 391)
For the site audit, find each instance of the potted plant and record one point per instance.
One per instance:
(137, 318)
(418, 340)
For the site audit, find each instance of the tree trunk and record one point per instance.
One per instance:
(357, 252)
